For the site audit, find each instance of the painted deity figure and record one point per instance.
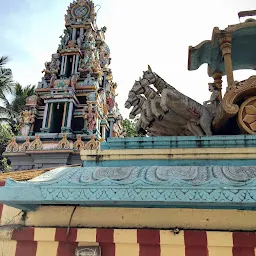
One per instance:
(104, 57)
(26, 120)
(102, 101)
(52, 80)
(113, 89)
(46, 71)
(91, 118)
(97, 67)
(52, 67)
(80, 40)
(116, 130)
(55, 63)
(64, 40)
(74, 79)
(86, 64)
(214, 99)
(110, 104)
(67, 18)
(66, 37)
(90, 81)
(89, 40)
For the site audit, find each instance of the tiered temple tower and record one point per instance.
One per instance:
(75, 101)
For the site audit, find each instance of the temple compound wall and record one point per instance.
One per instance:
(138, 196)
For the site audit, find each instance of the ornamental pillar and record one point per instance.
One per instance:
(225, 46)
(64, 118)
(217, 76)
(76, 64)
(70, 113)
(62, 65)
(103, 131)
(111, 127)
(65, 65)
(74, 34)
(73, 65)
(45, 115)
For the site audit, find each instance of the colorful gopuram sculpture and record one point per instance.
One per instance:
(167, 112)
(76, 97)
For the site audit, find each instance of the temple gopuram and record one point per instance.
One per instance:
(185, 187)
(75, 101)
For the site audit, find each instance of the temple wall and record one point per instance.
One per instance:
(138, 231)
(129, 242)
(134, 236)
(209, 219)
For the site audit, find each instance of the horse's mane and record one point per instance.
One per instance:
(161, 83)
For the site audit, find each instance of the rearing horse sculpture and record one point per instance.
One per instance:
(171, 112)
(178, 102)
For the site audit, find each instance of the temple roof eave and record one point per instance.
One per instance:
(148, 186)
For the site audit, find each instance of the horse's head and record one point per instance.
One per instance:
(149, 75)
(137, 106)
(132, 96)
(137, 88)
(135, 111)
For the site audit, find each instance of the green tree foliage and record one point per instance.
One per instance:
(5, 135)
(11, 109)
(129, 128)
(5, 76)
(12, 101)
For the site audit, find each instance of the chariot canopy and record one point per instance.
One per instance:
(230, 49)
(242, 38)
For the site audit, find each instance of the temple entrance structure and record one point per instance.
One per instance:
(74, 100)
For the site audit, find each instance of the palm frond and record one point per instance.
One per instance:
(3, 61)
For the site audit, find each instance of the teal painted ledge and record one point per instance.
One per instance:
(211, 187)
(171, 162)
(233, 141)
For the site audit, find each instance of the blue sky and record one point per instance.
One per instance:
(140, 32)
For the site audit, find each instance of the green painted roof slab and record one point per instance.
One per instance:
(243, 49)
(205, 187)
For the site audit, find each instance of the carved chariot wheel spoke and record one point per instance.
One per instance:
(247, 115)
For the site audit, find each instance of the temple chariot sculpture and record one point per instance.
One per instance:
(233, 112)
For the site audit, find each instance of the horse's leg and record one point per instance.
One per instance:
(164, 101)
(145, 121)
(197, 130)
(148, 110)
(155, 110)
(205, 122)
(190, 128)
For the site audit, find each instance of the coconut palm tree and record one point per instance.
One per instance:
(5, 76)
(12, 107)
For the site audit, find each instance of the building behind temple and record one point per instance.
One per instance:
(74, 106)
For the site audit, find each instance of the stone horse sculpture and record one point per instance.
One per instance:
(170, 111)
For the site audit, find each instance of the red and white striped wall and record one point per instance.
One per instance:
(128, 242)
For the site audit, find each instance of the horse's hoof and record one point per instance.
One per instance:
(151, 123)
